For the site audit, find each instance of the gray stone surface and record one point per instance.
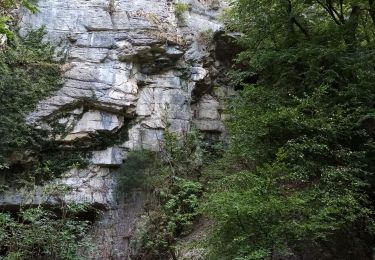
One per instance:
(93, 121)
(127, 63)
(112, 156)
(129, 58)
(116, 226)
(93, 185)
(210, 125)
(126, 59)
(3, 40)
(208, 108)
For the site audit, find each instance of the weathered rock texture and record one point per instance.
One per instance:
(129, 64)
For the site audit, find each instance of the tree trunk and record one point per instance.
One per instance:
(350, 28)
(372, 10)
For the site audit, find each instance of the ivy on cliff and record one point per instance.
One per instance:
(29, 73)
(8, 13)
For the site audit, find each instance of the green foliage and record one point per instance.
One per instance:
(172, 180)
(184, 154)
(299, 168)
(59, 232)
(28, 73)
(134, 172)
(180, 202)
(6, 15)
(37, 233)
(180, 9)
(171, 215)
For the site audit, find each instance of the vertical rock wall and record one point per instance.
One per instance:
(133, 66)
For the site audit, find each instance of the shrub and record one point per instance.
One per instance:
(37, 232)
(180, 9)
(135, 171)
(171, 177)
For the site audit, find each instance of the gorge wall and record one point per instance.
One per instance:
(132, 68)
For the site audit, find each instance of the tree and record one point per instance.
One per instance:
(300, 163)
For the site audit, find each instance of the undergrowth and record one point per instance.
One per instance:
(173, 180)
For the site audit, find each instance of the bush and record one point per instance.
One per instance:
(135, 171)
(37, 233)
(180, 9)
(171, 177)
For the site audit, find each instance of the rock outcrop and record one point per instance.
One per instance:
(133, 66)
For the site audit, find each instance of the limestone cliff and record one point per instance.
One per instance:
(133, 67)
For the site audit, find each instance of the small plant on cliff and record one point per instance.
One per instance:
(111, 8)
(206, 37)
(180, 9)
(7, 8)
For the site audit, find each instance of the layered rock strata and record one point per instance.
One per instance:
(129, 65)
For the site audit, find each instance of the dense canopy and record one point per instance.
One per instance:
(301, 160)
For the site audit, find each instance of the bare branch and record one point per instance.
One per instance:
(326, 7)
(302, 29)
(334, 11)
(342, 9)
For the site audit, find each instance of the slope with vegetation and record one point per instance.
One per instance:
(300, 166)
(173, 180)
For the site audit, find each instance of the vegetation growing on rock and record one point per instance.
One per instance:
(297, 180)
(180, 9)
(39, 233)
(8, 14)
(173, 179)
(29, 73)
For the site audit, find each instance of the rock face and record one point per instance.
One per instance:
(130, 65)
(129, 59)
(93, 185)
